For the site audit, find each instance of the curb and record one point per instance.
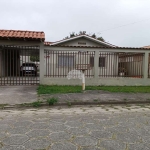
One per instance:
(20, 106)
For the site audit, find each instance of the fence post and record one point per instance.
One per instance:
(96, 61)
(42, 67)
(145, 65)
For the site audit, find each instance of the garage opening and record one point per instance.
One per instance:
(19, 65)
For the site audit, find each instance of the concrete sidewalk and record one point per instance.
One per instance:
(98, 97)
(14, 95)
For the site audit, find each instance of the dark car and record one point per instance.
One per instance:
(28, 69)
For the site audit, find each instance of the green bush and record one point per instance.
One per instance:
(36, 104)
(52, 101)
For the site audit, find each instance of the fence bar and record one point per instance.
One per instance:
(109, 64)
(61, 62)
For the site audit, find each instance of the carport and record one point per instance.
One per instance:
(17, 48)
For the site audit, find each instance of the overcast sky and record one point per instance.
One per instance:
(58, 18)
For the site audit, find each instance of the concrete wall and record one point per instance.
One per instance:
(120, 81)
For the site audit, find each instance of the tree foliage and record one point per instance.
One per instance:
(34, 58)
(73, 34)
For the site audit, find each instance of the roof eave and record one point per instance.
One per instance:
(88, 37)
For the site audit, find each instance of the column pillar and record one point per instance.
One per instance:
(96, 61)
(42, 67)
(145, 65)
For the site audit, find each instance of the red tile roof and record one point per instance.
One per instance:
(147, 46)
(22, 35)
(47, 43)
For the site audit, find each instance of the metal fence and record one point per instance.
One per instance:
(16, 67)
(121, 65)
(110, 64)
(59, 63)
(131, 65)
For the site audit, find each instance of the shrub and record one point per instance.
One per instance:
(36, 104)
(52, 101)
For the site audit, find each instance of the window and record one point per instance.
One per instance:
(101, 61)
(92, 61)
(65, 61)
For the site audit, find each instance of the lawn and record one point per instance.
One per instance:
(46, 89)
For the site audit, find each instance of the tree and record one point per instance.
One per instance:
(73, 34)
(94, 36)
(34, 58)
(101, 39)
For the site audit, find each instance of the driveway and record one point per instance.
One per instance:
(17, 94)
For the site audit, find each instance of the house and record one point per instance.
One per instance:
(102, 62)
(72, 59)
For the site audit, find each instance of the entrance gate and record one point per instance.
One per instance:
(19, 65)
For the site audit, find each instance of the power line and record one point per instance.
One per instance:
(123, 25)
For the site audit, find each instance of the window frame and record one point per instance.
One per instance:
(102, 66)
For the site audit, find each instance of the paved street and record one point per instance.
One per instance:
(110, 127)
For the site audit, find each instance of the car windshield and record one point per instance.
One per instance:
(28, 64)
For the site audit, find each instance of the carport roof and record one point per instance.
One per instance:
(101, 47)
(22, 35)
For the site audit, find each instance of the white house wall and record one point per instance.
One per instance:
(111, 65)
(82, 40)
(138, 68)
